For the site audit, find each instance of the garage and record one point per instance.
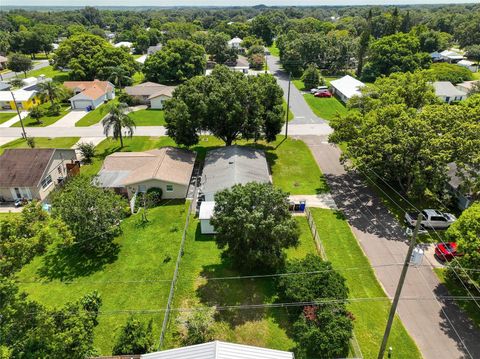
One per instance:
(81, 104)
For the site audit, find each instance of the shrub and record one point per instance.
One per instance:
(135, 338)
(36, 113)
(129, 100)
(54, 110)
(87, 151)
(196, 327)
(154, 197)
(31, 142)
(452, 73)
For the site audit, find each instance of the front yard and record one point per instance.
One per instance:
(135, 276)
(5, 116)
(293, 167)
(344, 251)
(148, 117)
(42, 142)
(44, 120)
(91, 118)
(49, 71)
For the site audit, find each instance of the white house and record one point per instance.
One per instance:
(235, 43)
(219, 350)
(446, 92)
(153, 49)
(451, 56)
(124, 44)
(467, 85)
(472, 66)
(225, 167)
(88, 95)
(346, 87)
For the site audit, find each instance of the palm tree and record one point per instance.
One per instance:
(116, 120)
(50, 90)
(118, 76)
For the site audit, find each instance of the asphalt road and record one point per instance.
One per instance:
(41, 64)
(440, 329)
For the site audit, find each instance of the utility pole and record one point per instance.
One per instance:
(393, 309)
(288, 104)
(24, 134)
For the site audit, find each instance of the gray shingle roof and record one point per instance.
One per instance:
(227, 166)
(445, 88)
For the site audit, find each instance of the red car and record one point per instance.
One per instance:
(446, 251)
(325, 93)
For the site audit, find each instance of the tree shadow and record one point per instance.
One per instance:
(67, 263)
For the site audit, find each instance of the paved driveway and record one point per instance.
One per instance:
(69, 119)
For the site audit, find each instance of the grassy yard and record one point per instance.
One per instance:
(5, 116)
(293, 167)
(143, 253)
(476, 75)
(290, 113)
(44, 120)
(457, 290)
(49, 71)
(148, 117)
(42, 142)
(343, 251)
(260, 327)
(274, 50)
(326, 108)
(92, 118)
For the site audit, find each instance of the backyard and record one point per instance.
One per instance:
(5, 116)
(148, 117)
(49, 72)
(293, 167)
(45, 120)
(343, 251)
(135, 276)
(42, 142)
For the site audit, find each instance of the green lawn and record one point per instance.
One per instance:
(42, 142)
(476, 75)
(470, 307)
(49, 71)
(293, 167)
(138, 78)
(144, 253)
(343, 251)
(260, 327)
(274, 50)
(290, 113)
(324, 107)
(5, 116)
(92, 118)
(44, 120)
(148, 117)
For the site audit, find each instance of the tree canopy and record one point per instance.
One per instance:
(228, 104)
(254, 226)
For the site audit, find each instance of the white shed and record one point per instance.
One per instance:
(206, 213)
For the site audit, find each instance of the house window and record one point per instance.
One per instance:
(169, 187)
(142, 188)
(46, 181)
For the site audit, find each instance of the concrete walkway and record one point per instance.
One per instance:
(90, 131)
(69, 119)
(5, 140)
(14, 120)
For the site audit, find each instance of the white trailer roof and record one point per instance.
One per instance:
(348, 86)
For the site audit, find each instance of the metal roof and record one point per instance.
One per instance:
(227, 166)
(445, 88)
(220, 350)
(348, 86)
(206, 210)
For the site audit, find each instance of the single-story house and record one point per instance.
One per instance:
(225, 167)
(34, 173)
(31, 83)
(451, 56)
(151, 93)
(24, 99)
(446, 92)
(90, 94)
(153, 49)
(3, 62)
(5, 86)
(472, 66)
(346, 87)
(219, 350)
(467, 85)
(235, 43)
(240, 65)
(168, 168)
(456, 185)
(126, 44)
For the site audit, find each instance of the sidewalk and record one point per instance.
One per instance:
(14, 119)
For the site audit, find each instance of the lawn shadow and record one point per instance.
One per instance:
(66, 263)
(199, 237)
(234, 292)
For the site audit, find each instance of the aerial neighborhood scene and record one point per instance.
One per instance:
(240, 180)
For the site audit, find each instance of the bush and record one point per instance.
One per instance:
(196, 326)
(54, 110)
(311, 77)
(36, 113)
(129, 100)
(87, 151)
(452, 73)
(154, 197)
(31, 142)
(135, 338)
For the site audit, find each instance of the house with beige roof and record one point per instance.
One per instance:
(88, 95)
(151, 94)
(168, 168)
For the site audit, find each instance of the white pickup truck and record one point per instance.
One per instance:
(431, 219)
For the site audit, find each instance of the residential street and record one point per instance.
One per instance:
(41, 64)
(436, 326)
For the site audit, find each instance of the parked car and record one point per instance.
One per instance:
(323, 93)
(446, 251)
(431, 219)
(318, 89)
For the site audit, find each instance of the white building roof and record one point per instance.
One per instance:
(206, 210)
(451, 54)
(446, 89)
(465, 63)
(20, 95)
(123, 43)
(219, 350)
(141, 59)
(348, 86)
(235, 40)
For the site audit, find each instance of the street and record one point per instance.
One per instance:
(8, 75)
